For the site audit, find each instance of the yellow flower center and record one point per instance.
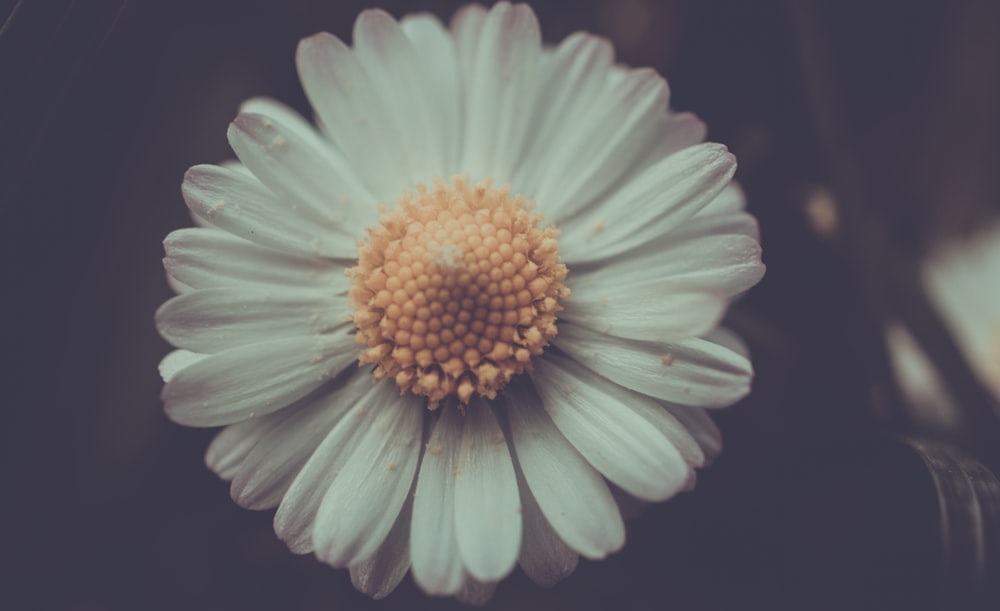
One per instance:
(456, 290)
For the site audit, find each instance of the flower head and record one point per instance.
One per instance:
(451, 385)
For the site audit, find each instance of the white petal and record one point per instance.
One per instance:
(354, 115)
(699, 424)
(601, 421)
(176, 361)
(438, 59)
(487, 506)
(294, 520)
(570, 493)
(269, 469)
(573, 74)
(390, 60)
(379, 575)
(466, 27)
(661, 198)
(589, 161)
(500, 91)
(730, 199)
(692, 371)
(643, 312)
(241, 205)
(545, 559)
(209, 258)
(231, 446)
(254, 380)
(365, 498)
(309, 178)
(287, 116)
(213, 320)
(719, 264)
(437, 565)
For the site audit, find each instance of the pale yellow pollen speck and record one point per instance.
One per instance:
(456, 290)
(598, 227)
(667, 360)
(390, 466)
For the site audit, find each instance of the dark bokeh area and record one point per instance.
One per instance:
(821, 500)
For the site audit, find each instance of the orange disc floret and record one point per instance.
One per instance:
(456, 290)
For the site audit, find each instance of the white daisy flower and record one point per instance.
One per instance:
(509, 371)
(962, 280)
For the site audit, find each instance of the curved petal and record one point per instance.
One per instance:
(354, 115)
(363, 501)
(270, 468)
(379, 575)
(238, 203)
(487, 506)
(308, 177)
(437, 564)
(500, 90)
(726, 264)
(390, 60)
(234, 443)
(213, 320)
(544, 558)
(699, 424)
(570, 78)
(651, 204)
(210, 258)
(296, 515)
(691, 372)
(570, 493)
(589, 161)
(600, 420)
(177, 360)
(638, 313)
(438, 59)
(254, 380)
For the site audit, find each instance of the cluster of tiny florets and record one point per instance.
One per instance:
(456, 290)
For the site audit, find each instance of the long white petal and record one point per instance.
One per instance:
(294, 520)
(590, 161)
(691, 371)
(270, 468)
(364, 499)
(210, 258)
(570, 493)
(438, 61)
(238, 203)
(390, 60)
(177, 360)
(231, 446)
(353, 114)
(437, 565)
(487, 506)
(254, 380)
(309, 178)
(379, 575)
(544, 558)
(599, 419)
(661, 198)
(572, 75)
(624, 311)
(212, 320)
(500, 91)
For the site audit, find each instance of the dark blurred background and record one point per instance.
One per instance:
(865, 131)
